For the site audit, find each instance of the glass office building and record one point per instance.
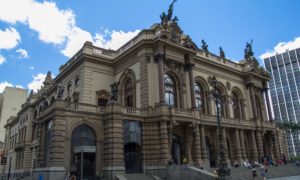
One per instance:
(285, 91)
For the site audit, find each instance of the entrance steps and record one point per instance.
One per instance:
(138, 176)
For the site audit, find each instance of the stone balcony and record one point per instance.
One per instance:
(19, 146)
(158, 113)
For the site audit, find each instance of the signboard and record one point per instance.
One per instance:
(86, 149)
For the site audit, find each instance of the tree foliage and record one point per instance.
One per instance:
(289, 126)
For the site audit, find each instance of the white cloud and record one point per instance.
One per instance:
(107, 39)
(37, 82)
(3, 85)
(116, 40)
(2, 59)
(282, 47)
(31, 67)
(23, 53)
(9, 38)
(14, 10)
(75, 41)
(52, 24)
(58, 26)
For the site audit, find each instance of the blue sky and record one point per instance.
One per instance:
(37, 36)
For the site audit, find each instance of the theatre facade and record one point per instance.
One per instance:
(138, 108)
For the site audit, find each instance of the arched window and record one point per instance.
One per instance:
(128, 93)
(236, 106)
(83, 135)
(199, 97)
(170, 90)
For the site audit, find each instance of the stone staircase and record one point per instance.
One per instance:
(139, 176)
(243, 173)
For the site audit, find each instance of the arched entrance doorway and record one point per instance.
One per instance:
(177, 150)
(132, 147)
(83, 152)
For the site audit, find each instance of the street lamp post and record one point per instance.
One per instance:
(222, 164)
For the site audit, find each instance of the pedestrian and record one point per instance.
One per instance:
(263, 172)
(67, 176)
(284, 159)
(254, 173)
(73, 177)
(184, 161)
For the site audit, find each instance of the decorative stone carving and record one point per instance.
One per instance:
(204, 45)
(222, 53)
(114, 91)
(228, 86)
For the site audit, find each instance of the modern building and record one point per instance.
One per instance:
(138, 108)
(11, 101)
(285, 91)
(10, 104)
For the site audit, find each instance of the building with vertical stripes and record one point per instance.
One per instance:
(285, 91)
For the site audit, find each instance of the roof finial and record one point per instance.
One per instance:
(48, 79)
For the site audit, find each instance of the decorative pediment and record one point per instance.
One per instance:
(169, 30)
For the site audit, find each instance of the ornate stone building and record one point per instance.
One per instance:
(134, 109)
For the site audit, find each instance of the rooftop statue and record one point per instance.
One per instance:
(168, 17)
(222, 53)
(204, 46)
(248, 50)
(170, 10)
(114, 91)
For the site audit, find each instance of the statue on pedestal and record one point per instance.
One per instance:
(222, 53)
(165, 18)
(248, 50)
(114, 91)
(204, 46)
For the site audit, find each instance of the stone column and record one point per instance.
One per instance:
(238, 154)
(242, 109)
(254, 149)
(203, 143)
(113, 142)
(275, 146)
(164, 143)
(207, 103)
(160, 60)
(229, 107)
(259, 141)
(197, 146)
(225, 143)
(253, 102)
(181, 103)
(243, 148)
(57, 152)
(189, 67)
